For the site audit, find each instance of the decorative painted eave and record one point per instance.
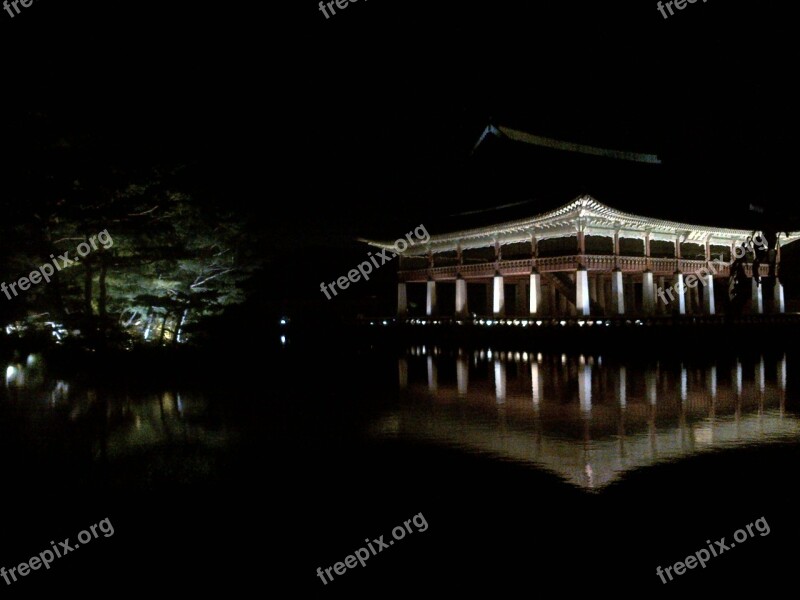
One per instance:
(585, 214)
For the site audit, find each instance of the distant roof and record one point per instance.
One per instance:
(546, 142)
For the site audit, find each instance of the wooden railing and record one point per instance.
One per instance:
(592, 262)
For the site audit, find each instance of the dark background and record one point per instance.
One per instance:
(363, 125)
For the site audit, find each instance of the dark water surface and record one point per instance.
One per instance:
(580, 471)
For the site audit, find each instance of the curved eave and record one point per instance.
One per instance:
(595, 218)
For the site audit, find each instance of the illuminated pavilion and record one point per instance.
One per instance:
(583, 258)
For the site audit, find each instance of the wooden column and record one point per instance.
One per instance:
(402, 300)
(708, 294)
(535, 304)
(757, 307)
(498, 296)
(461, 297)
(430, 298)
(617, 293)
(582, 291)
(679, 291)
(648, 293)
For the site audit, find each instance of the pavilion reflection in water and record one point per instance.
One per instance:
(587, 420)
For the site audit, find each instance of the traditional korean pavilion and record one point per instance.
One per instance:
(584, 258)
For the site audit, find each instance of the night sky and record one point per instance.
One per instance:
(363, 124)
